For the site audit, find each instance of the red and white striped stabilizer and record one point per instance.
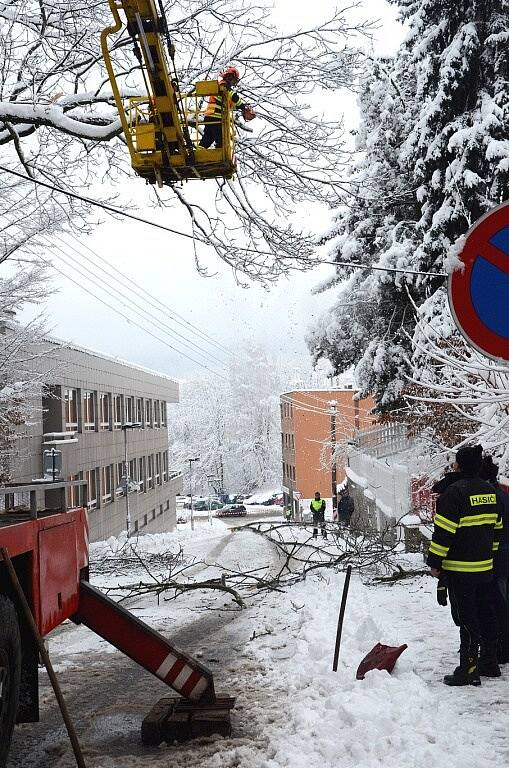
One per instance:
(144, 645)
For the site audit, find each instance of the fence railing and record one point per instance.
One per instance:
(382, 440)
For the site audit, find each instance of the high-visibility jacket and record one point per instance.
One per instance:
(468, 526)
(215, 104)
(317, 507)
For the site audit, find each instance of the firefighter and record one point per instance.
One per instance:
(212, 133)
(489, 472)
(345, 508)
(317, 508)
(468, 524)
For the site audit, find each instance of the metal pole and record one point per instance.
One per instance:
(333, 441)
(340, 619)
(53, 456)
(126, 487)
(191, 491)
(80, 762)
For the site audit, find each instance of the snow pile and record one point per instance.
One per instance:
(156, 543)
(276, 657)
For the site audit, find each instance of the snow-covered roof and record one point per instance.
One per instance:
(103, 356)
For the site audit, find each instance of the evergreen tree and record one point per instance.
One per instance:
(434, 156)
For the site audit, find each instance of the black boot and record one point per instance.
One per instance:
(466, 674)
(487, 665)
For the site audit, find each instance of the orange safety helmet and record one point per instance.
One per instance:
(230, 71)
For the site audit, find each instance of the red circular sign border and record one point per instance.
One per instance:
(471, 326)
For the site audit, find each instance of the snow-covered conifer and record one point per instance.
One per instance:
(433, 156)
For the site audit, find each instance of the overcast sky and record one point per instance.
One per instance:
(164, 266)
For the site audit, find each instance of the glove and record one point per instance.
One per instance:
(442, 591)
(248, 113)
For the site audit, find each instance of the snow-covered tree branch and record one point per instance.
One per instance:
(58, 120)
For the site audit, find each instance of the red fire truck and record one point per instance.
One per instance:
(44, 572)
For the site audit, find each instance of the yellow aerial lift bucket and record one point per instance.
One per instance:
(163, 129)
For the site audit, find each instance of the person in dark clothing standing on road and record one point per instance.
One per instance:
(345, 507)
(468, 523)
(317, 508)
(489, 472)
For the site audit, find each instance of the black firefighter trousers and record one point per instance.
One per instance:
(473, 611)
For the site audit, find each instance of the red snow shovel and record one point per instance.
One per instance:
(380, 657)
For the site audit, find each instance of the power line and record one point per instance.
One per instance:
(79, 267)
(381, 269)
(130, 321)
(151, 300)
(97, 203)
(117, 292)
(126, 214)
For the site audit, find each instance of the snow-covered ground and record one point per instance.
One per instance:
(276, 657)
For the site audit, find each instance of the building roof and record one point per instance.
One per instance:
(111, 358)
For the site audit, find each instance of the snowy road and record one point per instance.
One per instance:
(108, 694)
(276, 657)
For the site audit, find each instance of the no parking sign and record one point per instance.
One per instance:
(479, 292)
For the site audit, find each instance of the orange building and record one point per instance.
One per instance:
(315, 425)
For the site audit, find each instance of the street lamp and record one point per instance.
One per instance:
(197, 458)
(126, 480)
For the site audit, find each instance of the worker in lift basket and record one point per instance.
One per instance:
(212, 133)
(468, 524)
(317, 508)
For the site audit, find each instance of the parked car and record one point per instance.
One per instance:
(232, 510)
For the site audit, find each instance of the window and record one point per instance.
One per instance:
(117, 411)
(132, 470)
(165, 466)
(90, 477)
(71, 409)
(141, 473)
(119, 473)
(139, 410)
(163, 414)
(104, 410)
(150, 472)
(160, 509)
(73, 493)
(135, 526)
(129, 409)
(148, 413)
(88, 400)
(167, 503)
(145, 519)
(157, 413)
(106, 483)
(158, 469)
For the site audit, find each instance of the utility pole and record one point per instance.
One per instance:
(197, 458)
(333, 411)
(126, 480)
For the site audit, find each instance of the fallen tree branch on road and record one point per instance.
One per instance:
(171, 574)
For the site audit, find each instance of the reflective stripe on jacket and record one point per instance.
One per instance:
(215, 104)
(468, 526)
